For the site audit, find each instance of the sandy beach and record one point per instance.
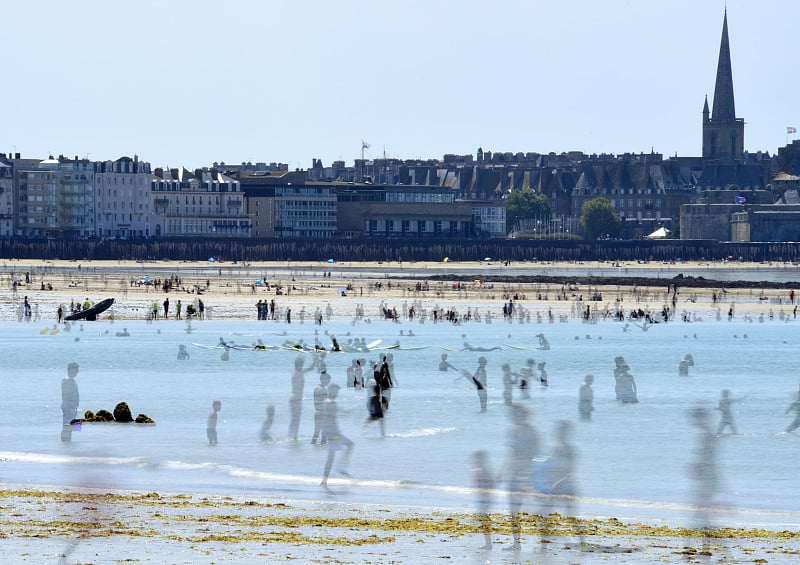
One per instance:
(231, 290)
(91, 525)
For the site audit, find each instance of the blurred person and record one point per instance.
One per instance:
(264, 434)
(374, 405)
(183, 355)
(337, 441)
(484, 483)
(320, 395)
(296, 398)
(211, 423)
(70, 400)
(586, 399)
(522, 442)
(558, 480)
(685, 363)
(508, 384)
(794, 407)
(625, 386)
(725, 407)
(479, 379)
(704, 471)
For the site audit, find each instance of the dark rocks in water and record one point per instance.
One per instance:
(122, 413)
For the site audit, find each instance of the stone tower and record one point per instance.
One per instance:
(723, 132)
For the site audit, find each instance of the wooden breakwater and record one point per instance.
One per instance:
(401, 249)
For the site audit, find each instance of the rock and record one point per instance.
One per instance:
(144, 419)
(103, 416)
(122, 413)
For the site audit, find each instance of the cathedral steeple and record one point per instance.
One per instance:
(724, 107)
(723, 132)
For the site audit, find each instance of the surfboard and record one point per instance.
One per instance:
(415, 348)
(200, 345)
(520, 347)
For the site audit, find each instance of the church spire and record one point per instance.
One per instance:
(724, 107)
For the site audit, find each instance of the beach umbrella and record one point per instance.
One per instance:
(146, 278)
(260, 281)
(331, 261)
(210, 259)
(445, 260)
(487, 258)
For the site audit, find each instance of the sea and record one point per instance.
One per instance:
(634, 461)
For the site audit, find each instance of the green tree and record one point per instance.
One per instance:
(525, 204)
(598, 218)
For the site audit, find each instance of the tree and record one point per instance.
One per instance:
(598, 218)
(525, 204)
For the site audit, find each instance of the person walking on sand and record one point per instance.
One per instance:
(211, 423)
(166, 307)
(337, 441)
(479, 379)
(320, 395)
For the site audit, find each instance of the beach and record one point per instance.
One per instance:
(242, 511)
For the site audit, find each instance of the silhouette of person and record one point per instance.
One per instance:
(523, 445)
(794, 407)
(508, 384)
(625, 387)
(725, 407)
(542, 374)
(484, 484)
(525, 375)
(386, 383)
(211, 424)
(704, 470)
(374, 405)
(183, 355)
(337, 441)
(479, 379)
(320, 394)
(266, 425)
(559, 478)
(70, 398)
(586, 399)
(444, 364)
(685, 363)
(296, 398)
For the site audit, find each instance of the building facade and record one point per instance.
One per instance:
(198, 204)
(122, 194)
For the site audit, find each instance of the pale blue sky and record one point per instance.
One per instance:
(182, 82)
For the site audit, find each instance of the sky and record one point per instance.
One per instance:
(196, 82)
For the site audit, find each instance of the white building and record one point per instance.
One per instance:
(203, 203)
(123, 202)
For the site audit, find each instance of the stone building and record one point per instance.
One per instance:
(199, 203)
(123, 198)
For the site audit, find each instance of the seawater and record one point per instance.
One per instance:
(633, 459)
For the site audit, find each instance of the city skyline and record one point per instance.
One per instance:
(194, 83)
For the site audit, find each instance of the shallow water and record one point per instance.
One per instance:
(633, 459)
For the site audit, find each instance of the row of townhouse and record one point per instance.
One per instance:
(126, 198)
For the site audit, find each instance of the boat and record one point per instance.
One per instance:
(90, 314)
